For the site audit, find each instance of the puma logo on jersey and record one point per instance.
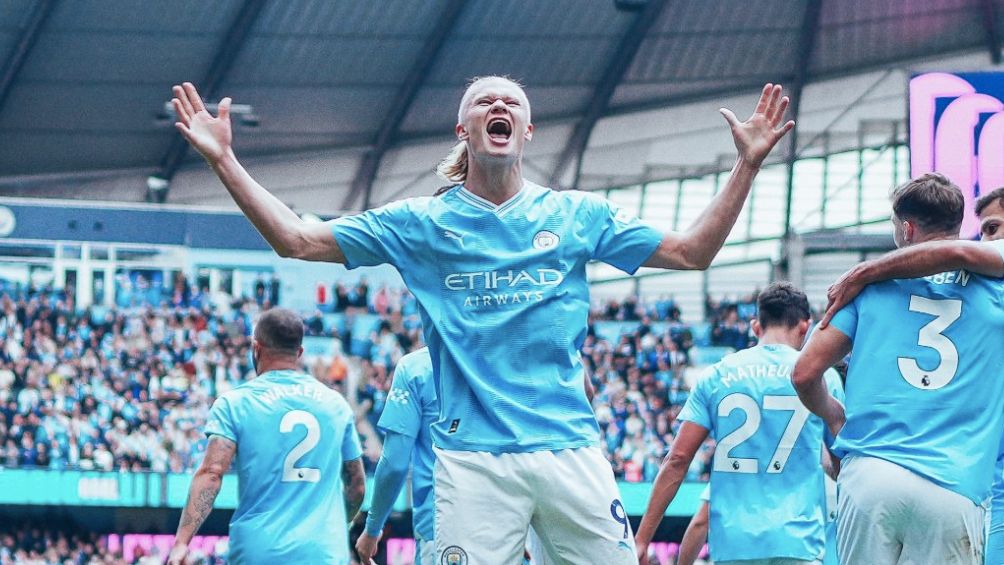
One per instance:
(451, 235)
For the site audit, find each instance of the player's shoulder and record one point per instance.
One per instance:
(415, 366)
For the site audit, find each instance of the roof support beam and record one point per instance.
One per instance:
(989, 10)
(25, 43)
(391, 126)
(803, 58)
(209, 86)
(630, 42)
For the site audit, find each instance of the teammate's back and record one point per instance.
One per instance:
(293, 439)
(767, 479)
(767, 490)
(923, 390)
(293, 434)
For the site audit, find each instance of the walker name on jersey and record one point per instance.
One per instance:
(272, 395)
(742, 372)
(517, 288)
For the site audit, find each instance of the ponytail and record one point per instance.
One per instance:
(453, 168)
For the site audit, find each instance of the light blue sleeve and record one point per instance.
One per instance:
(706, 493)
(846, 320)
(403, 411)
(374, 237)
(351, 448)
(391, 471)
(624, 241)
(221, 421)
(698, 408)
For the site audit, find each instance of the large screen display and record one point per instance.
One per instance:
(957, 129)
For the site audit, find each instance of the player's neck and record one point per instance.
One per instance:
(777, 336)
(267, 365)
(495, 182)
(937, 236)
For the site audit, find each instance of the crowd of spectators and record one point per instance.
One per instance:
(129, 388)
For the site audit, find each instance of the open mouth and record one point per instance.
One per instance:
(499, 130)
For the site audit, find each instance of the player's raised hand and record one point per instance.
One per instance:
(756, 136)
(209, 135)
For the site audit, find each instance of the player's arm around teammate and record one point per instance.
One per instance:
(754, 139)
(925, 259)
(667, 483)
(202, 494)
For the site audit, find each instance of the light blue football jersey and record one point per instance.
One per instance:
(504, 302)
(292, 435)
(767, 491)
(411, 410)
(924, 385)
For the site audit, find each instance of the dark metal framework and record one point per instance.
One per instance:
(388, 133)
(620, 62)
(209, 87)
(22, 49)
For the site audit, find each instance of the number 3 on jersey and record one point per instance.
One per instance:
(290, 472)
(945, 313)
(725, 463)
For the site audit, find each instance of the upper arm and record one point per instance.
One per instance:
(673, 253)
(219, 455)
(354, 475)
(318, 243)
(824, 350)
(397, 450)
(373, 237)
(982, 258)
(687, 442)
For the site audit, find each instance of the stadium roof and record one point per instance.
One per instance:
(339, 89)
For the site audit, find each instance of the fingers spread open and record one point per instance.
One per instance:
(730, 117)
(777, 111)
(194, 98)
(761, 105)
(785, 128)
(179, 110)
(182, 97)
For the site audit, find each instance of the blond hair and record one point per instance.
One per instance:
(453, 167)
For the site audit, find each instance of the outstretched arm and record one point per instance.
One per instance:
(826, 348)
(667, 483)
(920, 260)
(288, 235)
(202, 494)
(754, 139)
(391, 472)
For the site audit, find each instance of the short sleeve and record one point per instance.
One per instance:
(351, 448)
(373, 237)
(846, 320)
(624, 241)
(706, 493)
(221, 420)
(698, 406)
(403, 411)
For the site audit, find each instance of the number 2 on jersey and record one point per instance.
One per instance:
(725, 463)
(290, 472)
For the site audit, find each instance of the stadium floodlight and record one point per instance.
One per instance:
(242, 114)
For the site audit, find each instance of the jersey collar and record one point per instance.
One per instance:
(487, 205)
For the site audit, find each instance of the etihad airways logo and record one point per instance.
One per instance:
(491, 280)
